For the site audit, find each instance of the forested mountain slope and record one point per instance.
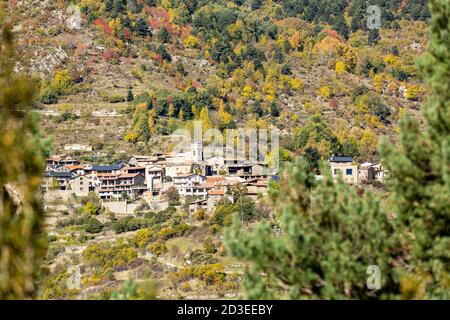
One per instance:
(311, 69)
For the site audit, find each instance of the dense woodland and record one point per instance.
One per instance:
(311, 69)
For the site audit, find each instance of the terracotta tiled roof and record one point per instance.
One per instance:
(216, 192)
(185, 175)
(206, 185)
(214, 179)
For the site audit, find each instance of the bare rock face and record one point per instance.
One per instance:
(74, 20)
(15, 196)
(46, 62)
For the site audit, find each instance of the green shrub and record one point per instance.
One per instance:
(142, 238)
(67, 116)
(49, 97)
(105, 255)
(157, 248)
(208, 246)
(91, 209)
(176, 230)
(114, 98)
(211, 274)
(88, 223)
(127, 224)
(92, 225)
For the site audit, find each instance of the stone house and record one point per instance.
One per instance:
(154, 178)
(345, 167)
(115, 186)
(176, 169)
(54, 180)
(257, 188)
(82, 185)
(195, 206)
(372, 172)
(142, 161)
(214, 196)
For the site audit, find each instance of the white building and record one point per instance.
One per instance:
(176, 169)
(78, 147)
(187, 184)
(193, 154)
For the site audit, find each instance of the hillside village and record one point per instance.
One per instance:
(202, 183)
(159, 219)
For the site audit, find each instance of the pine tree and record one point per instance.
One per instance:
(130, 95)
(329, 236)
(256, 4)
(420, 172)
(257, 108)
(357, 22)
(118, 7)
(22, 244)
(357, 11)
(109, 6)
(274, 110)
(142, 27)
(165, 55)
(312, 156)
(374, 36)
(341, 26)
(141, 121)
(164, 35)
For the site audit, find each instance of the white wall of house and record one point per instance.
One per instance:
(77, 147)
(174, 170)
(120, 207)
(349, 171)
(185, 179)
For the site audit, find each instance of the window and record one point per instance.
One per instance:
(336, 171)
(349, 172)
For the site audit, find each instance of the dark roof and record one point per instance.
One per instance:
(275, 178)
(198, 201)
(341, 159)
(239, 165)
(113, 167)
(55, 166)
(55, 174)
